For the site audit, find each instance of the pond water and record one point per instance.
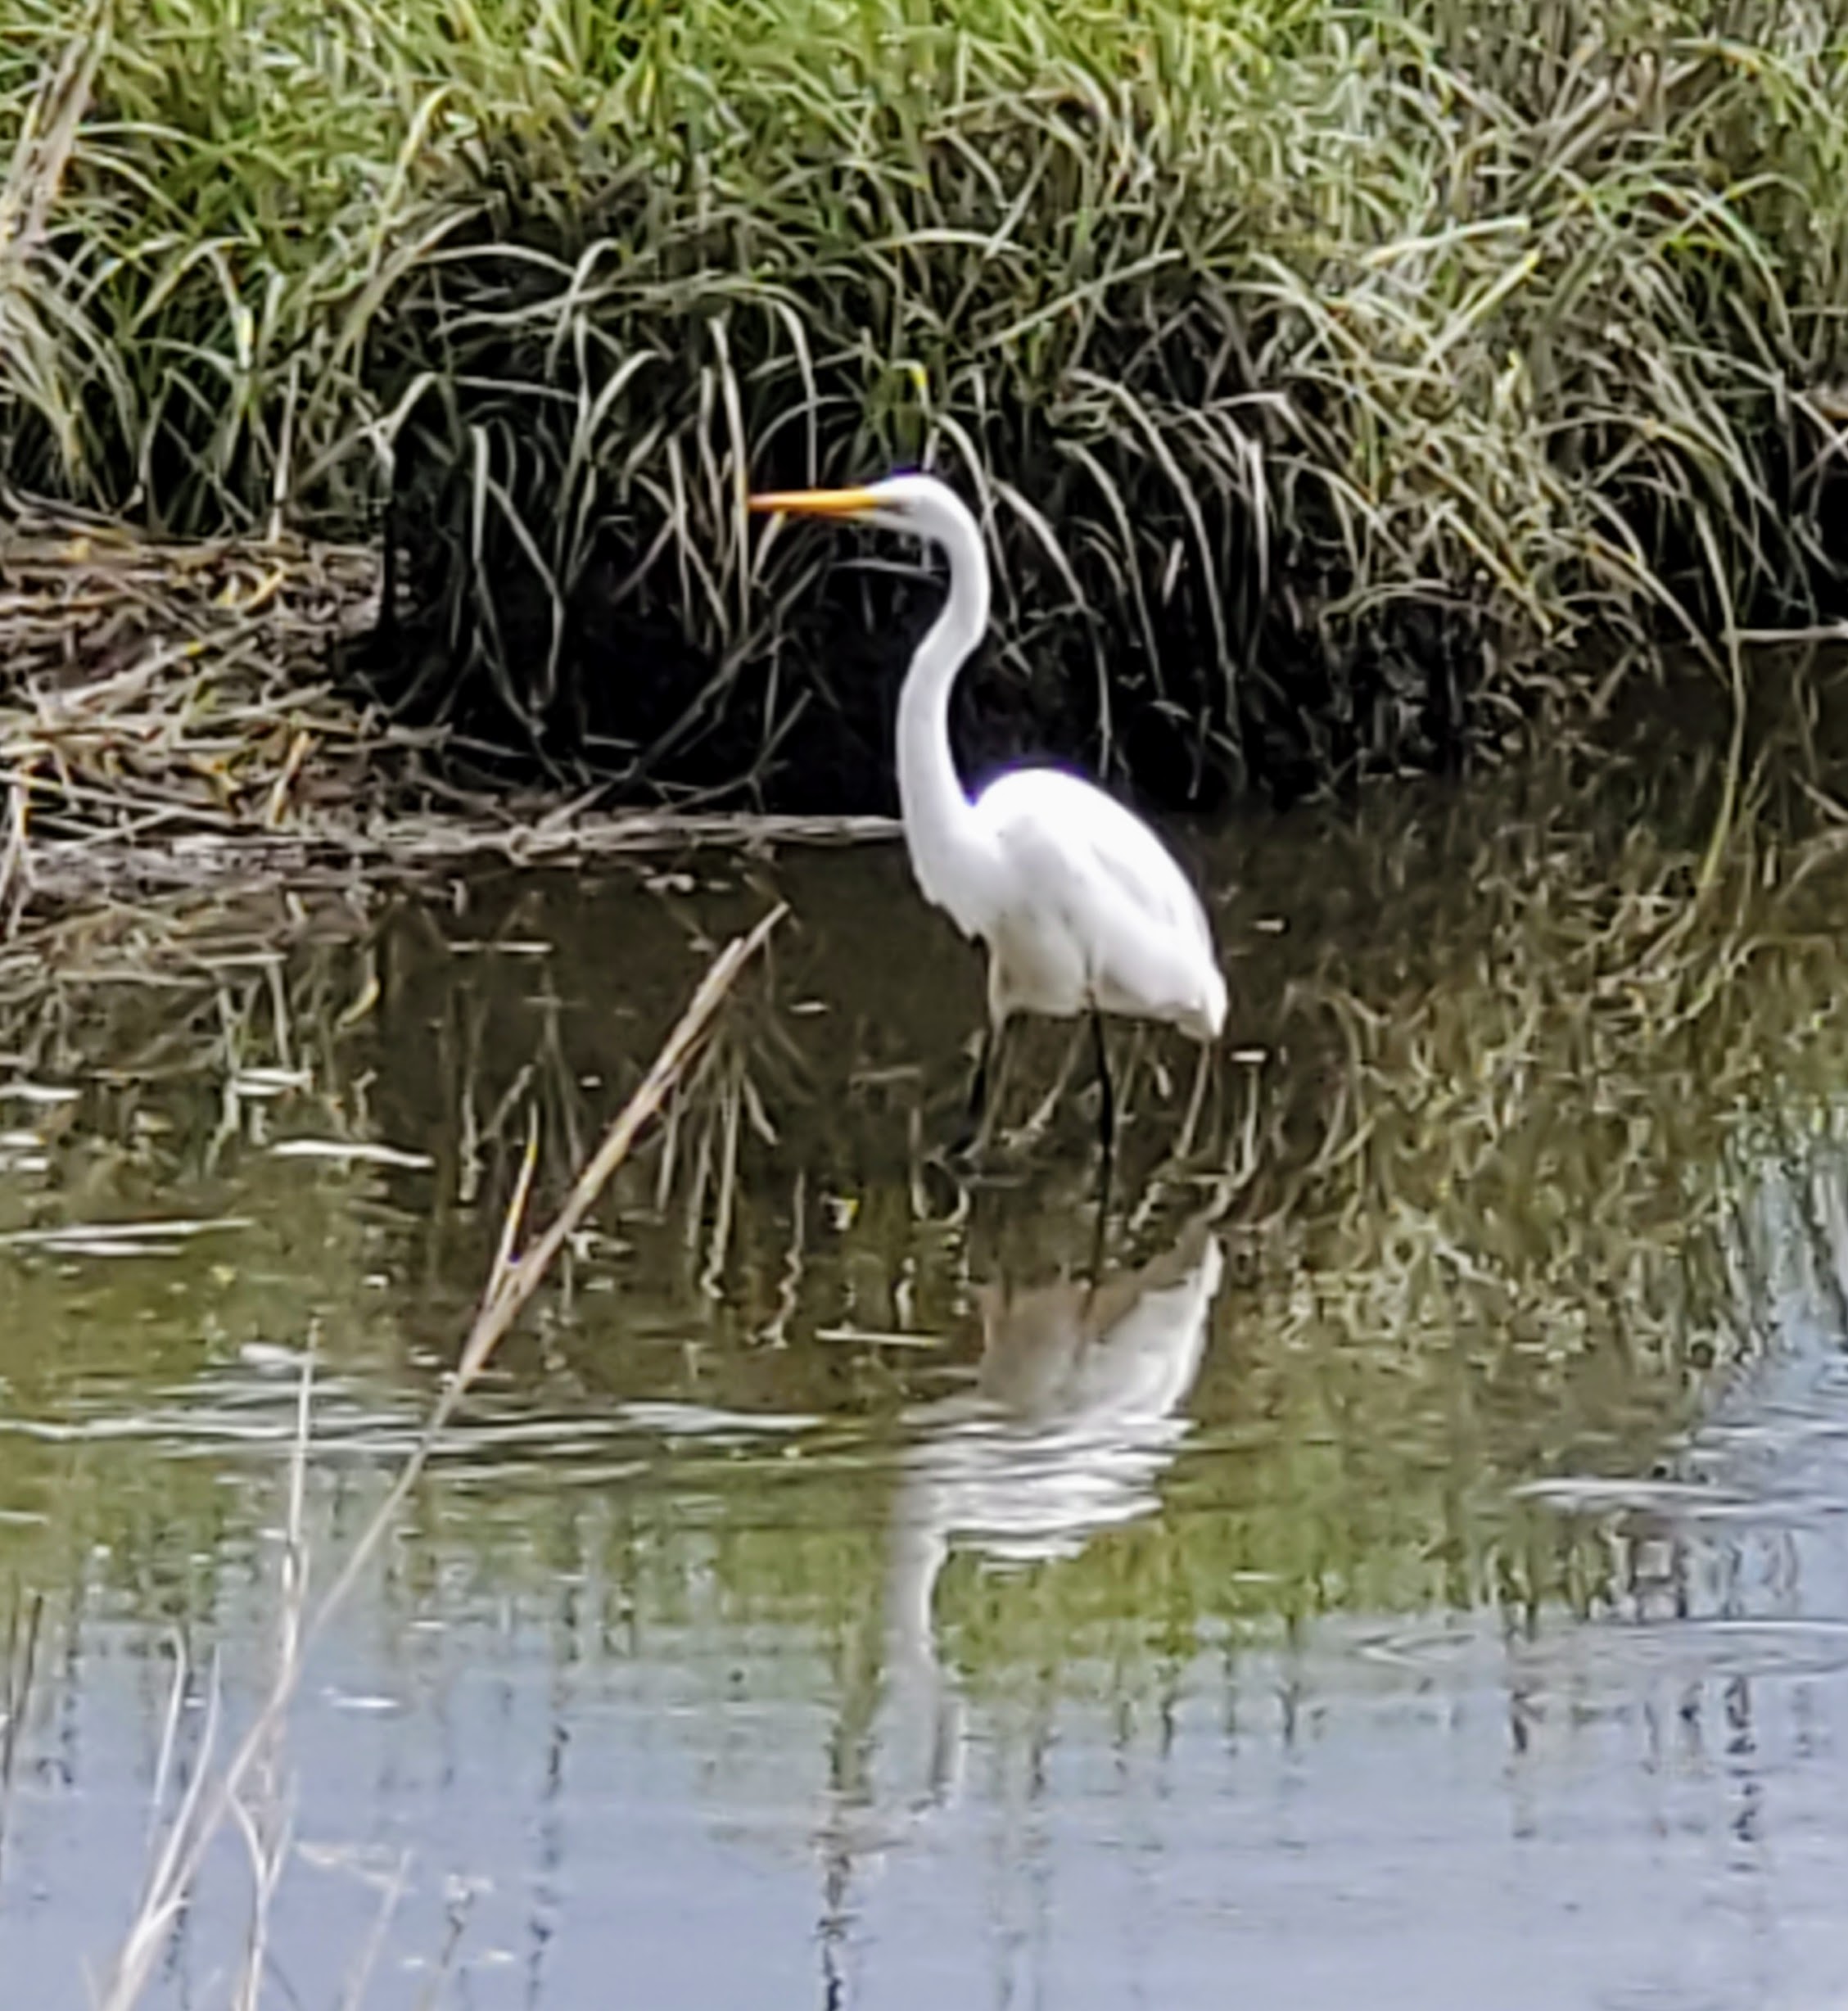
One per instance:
(1409, 1568)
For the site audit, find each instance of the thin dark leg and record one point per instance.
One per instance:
(974, 1127)
(978, 1085)
(1107, 1101)
(1097, 1230)
(1107, 1138)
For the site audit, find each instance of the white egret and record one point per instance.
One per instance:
(1082, 908)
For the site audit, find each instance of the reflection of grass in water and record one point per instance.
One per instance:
(1479, 1239)
(1485, 1238)
(1544, 1120)
(243, 1789)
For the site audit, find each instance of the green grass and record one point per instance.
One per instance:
(1339, 382)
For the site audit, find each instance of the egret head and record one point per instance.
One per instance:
(918, 504)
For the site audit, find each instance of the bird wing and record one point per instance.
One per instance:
(1067, 834)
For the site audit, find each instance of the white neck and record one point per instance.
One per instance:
(939, 819)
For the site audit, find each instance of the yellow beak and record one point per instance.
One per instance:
(815, 502)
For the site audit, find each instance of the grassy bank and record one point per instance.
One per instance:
(1339, 382)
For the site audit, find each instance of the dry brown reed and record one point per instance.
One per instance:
(171, 715)
(516, 1273)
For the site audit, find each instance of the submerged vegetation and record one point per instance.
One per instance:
(1339, 382)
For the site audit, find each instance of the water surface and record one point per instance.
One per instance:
(1411, 1571)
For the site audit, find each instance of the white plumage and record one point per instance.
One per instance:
(1082, 908)
(1089, 909)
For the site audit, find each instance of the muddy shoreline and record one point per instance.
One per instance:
(183, 718)
(175, 718)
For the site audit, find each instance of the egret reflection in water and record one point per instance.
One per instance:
(1073, 1415)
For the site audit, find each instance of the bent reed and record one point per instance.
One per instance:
(1339, 384)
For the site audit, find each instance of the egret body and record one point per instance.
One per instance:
(1082, 908)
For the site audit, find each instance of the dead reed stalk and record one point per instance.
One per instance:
(515, 1277)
